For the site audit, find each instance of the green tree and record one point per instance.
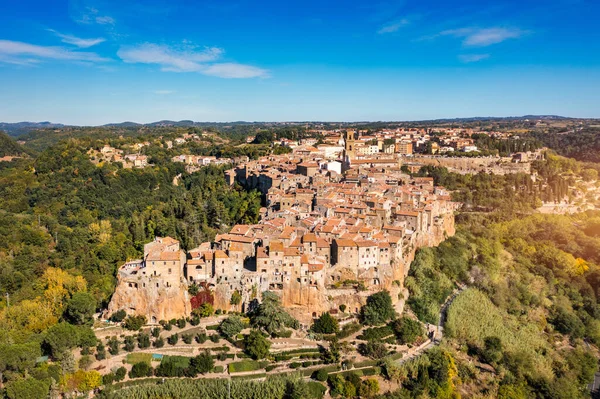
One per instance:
(141, 369)
(28, 388)
(203, 363)
(118, 316)
(325, 324)
(143, 340)
(173, 339)
(332, 353)
(407, 330)
(60, 337)
(236, 298)
(257, 346)
(100, 351)
(231, 326)
(369, 388)
(492, 351)
(378, 310)
(113, 346)
(270, 316)
(80, 308)
(129, 342)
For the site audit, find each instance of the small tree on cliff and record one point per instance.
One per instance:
(378, 310)
(270, 316)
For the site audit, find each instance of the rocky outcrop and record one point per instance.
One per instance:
(156, 303)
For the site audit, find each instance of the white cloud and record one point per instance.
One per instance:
(77, 41)
(468, 58)
(234, 70)
(393, 26)
(91, 15)
(26, 53)
(187, 59)
(482, 37)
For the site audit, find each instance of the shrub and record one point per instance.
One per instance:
(118, 316)
(295, 365)
(376, 333)
(348, 330)
(113, 346)
(173, 339)
(100, 351)
(141, 369)
(135, 323)
(159, 342)
(187, 338)
(143, 341)
(215, 338)
(181, 323)
(120, 374)
(129, 344)
(374, 350)
(321, 375)
(85, 362)
(201, 338)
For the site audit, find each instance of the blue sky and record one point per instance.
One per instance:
(98, 61)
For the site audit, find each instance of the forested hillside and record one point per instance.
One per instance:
(583, 145)
(66, 224)
(8, 146)
(531, 304)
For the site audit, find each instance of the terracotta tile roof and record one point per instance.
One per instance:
(276, 246)
(315, 267)
(341, 242)
(291, 252)
(241, 229)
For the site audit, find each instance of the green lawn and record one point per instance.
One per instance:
(246, 365)
(133, 358)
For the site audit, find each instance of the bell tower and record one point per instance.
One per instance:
(349, 145)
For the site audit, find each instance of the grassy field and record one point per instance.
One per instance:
(133, 358)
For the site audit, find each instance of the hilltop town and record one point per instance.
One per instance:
(336, 227)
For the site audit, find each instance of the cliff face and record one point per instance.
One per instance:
(156, 303)
(150, 296)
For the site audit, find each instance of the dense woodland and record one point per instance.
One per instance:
(581, 144)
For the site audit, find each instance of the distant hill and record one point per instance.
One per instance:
(8, 146)
(123, 124)
(20, 128)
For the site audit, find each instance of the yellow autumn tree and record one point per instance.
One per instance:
(32, 316)
(59, 286)
(101, 231)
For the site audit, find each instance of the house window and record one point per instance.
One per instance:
(156, 285)
(169, 270)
